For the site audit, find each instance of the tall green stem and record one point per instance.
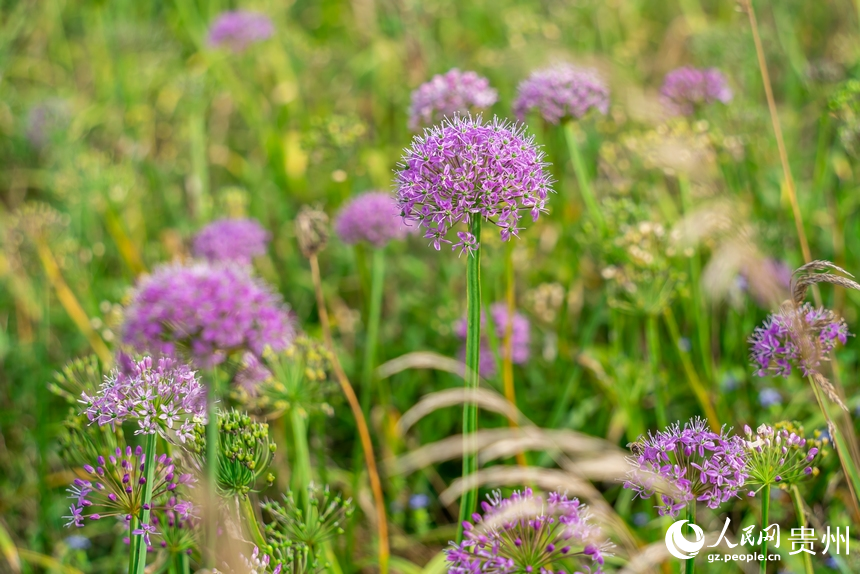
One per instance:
(582, 174)
(302, 461)
(253, 524)
(149, 474)
(212, 472)
(690, 567)
(802, 522)
(765, 510)
(473, 355)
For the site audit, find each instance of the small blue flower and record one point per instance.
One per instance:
(768, 397)
(417, 501)
(78, 542)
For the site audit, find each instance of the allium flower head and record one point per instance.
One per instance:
(466, 168)
(239, 29)
(298, 378)
(780, 455)
(448, 94)
(209, 309)
(116, 484)
(167, 395)
(520, 337)
(686, 89)
(176, 524)
(525, 533)
(298, 531)
(238, 240)
(686, 464)
(561, 92)
(372, 217)
(245, 452)
(796, 336)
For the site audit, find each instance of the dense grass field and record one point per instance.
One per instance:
(669, 237)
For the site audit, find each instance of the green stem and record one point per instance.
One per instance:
(691, 517)
(134, 549)
(184, 563)
(253, 524)
(212, 473)
(582, 174)
(765, 509)
(473, 355)
(302, 461)
(802, 522)
(149, 475)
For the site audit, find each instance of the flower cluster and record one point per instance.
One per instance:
(239, 29)
(780, 455)
(116, 488)
(176, 524)
(238, 240)
(245, 452)
(466, 168)
(208, 309)
(687, 464)
(296, 378)
(501, 319)
(372, 217)
(447, 94)
(562, 92)
(686, 89)
(298, 530)
(158, 397)
(796, 336)
(524, 533)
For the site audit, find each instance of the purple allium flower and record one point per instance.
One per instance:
(161, 397)
(683, 465)
(176, 524)
(466, 168)
(116, 486)
(769, 397)
(372, 217)
(210, 309)
(525, 533)
(779, 455)
(686, 89)
(448, 94)
(238, 240)
(799, 336)
(500, 318)
(239, 29)
(561, 91)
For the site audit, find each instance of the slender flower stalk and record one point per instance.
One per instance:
(802, 522)
(690, 564)
(473, 366)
